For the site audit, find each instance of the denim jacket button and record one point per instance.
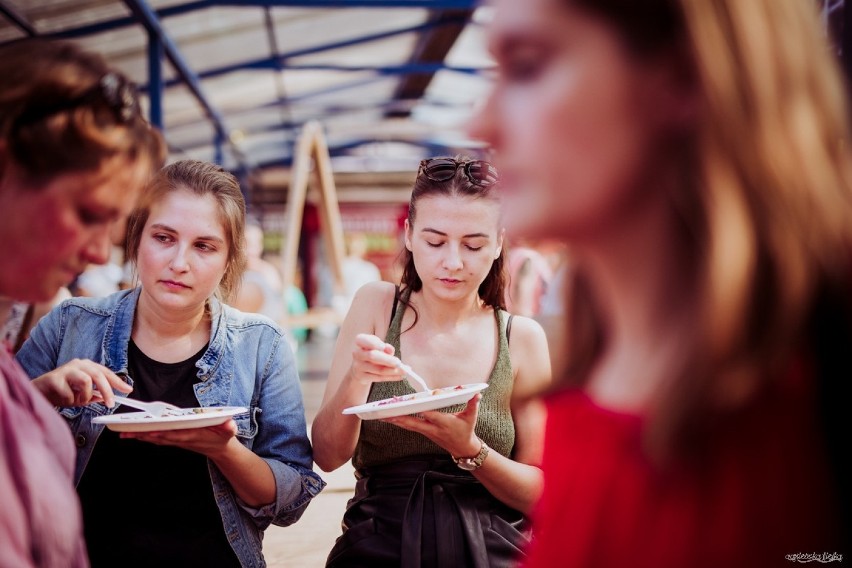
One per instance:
(80, 440)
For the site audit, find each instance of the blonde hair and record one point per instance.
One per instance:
(771, 213)
(200, 178)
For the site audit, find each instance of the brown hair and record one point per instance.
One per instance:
(56, 117)
(770, 210)
(200, 178)
(491, 290)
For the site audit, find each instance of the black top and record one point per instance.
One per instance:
(168, 516)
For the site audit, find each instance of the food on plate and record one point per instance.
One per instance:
(447, 389)
(395, 399)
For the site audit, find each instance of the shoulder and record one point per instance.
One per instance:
(379, 291)
(374, 297)
(239, 320)
(104, 306)
(370, 309)
(526, 331)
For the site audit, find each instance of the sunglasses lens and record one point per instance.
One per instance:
(482, 173)
(440, 170)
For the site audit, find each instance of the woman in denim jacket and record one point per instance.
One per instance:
(201, 496)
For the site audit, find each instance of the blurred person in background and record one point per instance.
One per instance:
(199, 496)
(694, 155)
(74, 155)
(357, 270)
(17, 318)
(452, 487)
(261, 289)
(529, 278)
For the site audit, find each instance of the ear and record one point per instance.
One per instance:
(499, 249)
(407, 235)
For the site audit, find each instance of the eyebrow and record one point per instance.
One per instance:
(163, 227)
(443, 234)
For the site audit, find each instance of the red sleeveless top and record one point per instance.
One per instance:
(758, 492)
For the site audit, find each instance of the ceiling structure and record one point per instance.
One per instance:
(233, 81)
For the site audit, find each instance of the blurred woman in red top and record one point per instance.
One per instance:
(693, 154)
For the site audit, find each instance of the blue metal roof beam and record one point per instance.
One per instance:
(13, 15)
(303, 96)
(127, 21)
(432, 48)
(296, 125)
(388, 70)
(149, 20)
(163, 13)
(267, 63)
(404, 69)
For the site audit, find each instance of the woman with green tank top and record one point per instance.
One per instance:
(450, 487)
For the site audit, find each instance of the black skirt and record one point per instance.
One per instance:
(427, 513)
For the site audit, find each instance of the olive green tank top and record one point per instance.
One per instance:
(380, 442)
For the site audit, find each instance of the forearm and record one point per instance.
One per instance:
(516, 484)
(249, 475)
(334, 434)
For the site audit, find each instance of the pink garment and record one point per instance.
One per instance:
(40, 520)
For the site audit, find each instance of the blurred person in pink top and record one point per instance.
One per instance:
(74, 153)
(694, 155)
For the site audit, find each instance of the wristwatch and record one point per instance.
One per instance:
(474, 463)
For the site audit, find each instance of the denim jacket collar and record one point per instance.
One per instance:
(120, 328)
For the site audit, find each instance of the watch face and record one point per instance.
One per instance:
(467, 464)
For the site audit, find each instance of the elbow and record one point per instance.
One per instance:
(327, 462)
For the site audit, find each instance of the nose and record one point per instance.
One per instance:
(98, 248)
(178, 262)
(452, 259)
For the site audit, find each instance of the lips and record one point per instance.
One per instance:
(173, 284)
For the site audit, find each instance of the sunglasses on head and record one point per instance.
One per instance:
(112, 90)
(479, 172)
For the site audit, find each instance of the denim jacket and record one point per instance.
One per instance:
(247, 363)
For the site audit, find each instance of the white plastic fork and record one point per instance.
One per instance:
(410, 374)
(155, 408)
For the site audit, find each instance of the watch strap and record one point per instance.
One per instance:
(474, 463)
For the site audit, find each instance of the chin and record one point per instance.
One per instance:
(34, 295)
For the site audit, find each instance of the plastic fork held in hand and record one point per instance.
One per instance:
(419, 384)
(156, 408)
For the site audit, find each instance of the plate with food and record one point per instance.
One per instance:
(180, 419)
(433, 399)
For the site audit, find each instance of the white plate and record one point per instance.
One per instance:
(417, 402)
(144, 422)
